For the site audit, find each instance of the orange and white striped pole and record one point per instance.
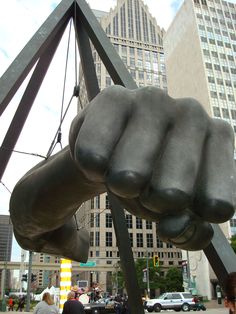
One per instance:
(65, 281)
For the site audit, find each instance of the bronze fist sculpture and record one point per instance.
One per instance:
(165, 159)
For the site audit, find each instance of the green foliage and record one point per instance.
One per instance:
(233, 242)
(118, 279)
(155, 281)
(173, 280)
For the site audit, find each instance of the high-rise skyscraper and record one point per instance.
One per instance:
(6, 234)
(200, 52)
(139, 42)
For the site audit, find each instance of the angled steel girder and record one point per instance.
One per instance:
(36, 49)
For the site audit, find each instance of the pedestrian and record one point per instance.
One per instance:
(72, 305)
(46, 306)
(11, 304)
(230, 293)
(21, 304)
(118, 304)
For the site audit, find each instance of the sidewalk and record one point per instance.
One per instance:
(213, 304)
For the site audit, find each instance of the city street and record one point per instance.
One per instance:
(210, 311)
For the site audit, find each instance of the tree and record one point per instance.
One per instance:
(233, 242)
(173, 280)
(155, 280)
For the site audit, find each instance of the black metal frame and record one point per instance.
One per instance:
(40, 49)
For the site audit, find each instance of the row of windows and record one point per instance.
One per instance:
(140, 54)
(217, 11)
(95, 240)
(216, 22)
(218, 67)
(219, 55)
(224, 113)
(95, 221)
(233, 222)
(219, 43)
(216, 33)
(161, 255)
(221, 95)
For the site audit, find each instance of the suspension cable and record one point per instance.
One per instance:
(53, 144)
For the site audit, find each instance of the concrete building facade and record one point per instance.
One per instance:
(6, 235)
(200, 53)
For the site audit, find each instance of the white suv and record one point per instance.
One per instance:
(171, 301)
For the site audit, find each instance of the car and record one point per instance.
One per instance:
(102, 306)
(171, 301)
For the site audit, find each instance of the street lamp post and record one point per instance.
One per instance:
(148, 282)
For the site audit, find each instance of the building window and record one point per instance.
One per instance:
(91, 239)
(123, 21)
(139, 239)
(97, 201)
(149, 240)
(139, 223)
(148, 225)
(108, 81)
(216, 112)
(107, 205)
(92, 203)
(159, 243)
(108, 239)
(97, 238)
(225, 113)
(108, 221)
(131, 239)
(108, 253)
(97, 220)
(124, 50)
(92, 220)
(129, 221)
(233, 114)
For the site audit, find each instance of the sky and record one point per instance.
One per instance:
(19, 20)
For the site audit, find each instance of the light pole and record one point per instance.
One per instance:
(148, 283)
(29, 281)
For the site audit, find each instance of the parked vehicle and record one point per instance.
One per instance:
(102, 306)
(171, 301)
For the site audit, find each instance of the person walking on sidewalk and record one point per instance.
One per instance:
(72, 305)
(46, 306)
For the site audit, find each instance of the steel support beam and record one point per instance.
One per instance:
(86, 59)
(112, 61)
(126, 256)
(220, 255)
(27, 101)
(23, 63)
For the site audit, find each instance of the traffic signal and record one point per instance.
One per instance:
(33, 277)
(24, 277)
(155, 261)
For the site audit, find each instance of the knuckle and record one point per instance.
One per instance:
(191, 107)
(222, 127)
(125, 183)
(91, 164)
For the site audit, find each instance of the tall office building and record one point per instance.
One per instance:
(6, 234)
(139, 42)
(200, 52)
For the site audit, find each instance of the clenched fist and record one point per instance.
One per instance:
(165, 159)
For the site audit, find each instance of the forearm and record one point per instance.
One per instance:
(53, 188)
